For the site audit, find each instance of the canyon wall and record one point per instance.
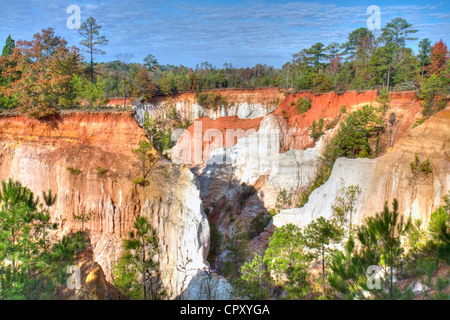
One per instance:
(387, 177)
(239, 182)
(99, 145)
(244, 104)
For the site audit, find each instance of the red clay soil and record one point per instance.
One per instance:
(326, 105)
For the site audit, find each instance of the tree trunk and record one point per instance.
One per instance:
(124, 91)
(92, 66)
(389, 74)
(323, 271)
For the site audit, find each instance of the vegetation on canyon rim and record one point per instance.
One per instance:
(60, 79)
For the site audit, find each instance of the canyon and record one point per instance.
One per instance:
(229, 166)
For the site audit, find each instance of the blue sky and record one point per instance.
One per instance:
(239, 32)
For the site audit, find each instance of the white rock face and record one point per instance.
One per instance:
(192, 110)
(250, 111)
(345, 172)
(183, 232)
(256, 161)
(183, 229)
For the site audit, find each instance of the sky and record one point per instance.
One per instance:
(242, 33)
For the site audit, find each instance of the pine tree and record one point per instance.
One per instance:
(321, 235)
(287, 260)
(92, 40)
(9, 47)
(137, 273)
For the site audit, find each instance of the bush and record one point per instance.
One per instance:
(139, 181)
(303, 104)
(74, 171)
(317, 129)
(101, 171)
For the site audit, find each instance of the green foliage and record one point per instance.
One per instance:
(259, 223)
(31, 267)
(83, 218)
(418, 122)
(254, 282)
(211, 100)
(352, 140)
(160, 139)
(92, 40)
(317, 129)
(88, 92)
(379, 245)
(146, 158)
(320, 235)
(74, 171)
(9, 47)
(284, 199)
(345, 206)
(435, 85)
(215, 244)
(417, 166)
(287, 260)
(137, 274)
(101, 171)
(303, 104)
(236, 244)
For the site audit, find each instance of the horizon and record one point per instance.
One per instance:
(243, 33)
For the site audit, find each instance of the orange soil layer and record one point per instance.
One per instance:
(106, 129)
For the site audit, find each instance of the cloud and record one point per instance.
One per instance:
(188, 33)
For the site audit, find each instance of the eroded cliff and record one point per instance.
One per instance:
(87, 159)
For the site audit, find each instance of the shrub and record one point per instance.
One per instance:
(74, 171)
(416, 165)
(101, 171)
(317, 129)
(139, 181)
(303, 104)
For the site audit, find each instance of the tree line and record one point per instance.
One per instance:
(45, 74)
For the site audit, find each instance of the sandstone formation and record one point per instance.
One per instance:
(244, 104)
(388, 177)
(47, 155)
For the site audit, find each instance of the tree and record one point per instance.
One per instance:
(124, 59)
(86, 91)
(92, 40)
(438, 58)
(143, 85)
(236, 246)
(382, 64)
(359, 40)
(83, 218)
(345, 206)
(42, 70)
(321, 235)
(216, 244)
(150, 62)
(397, 31)
(147, 159)
(424, 53)
(431, 87)
(287, 260)
(379, 247)
(9, 47)
(7, 102)
(30, 266)
(254, 282)
(137, 274)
